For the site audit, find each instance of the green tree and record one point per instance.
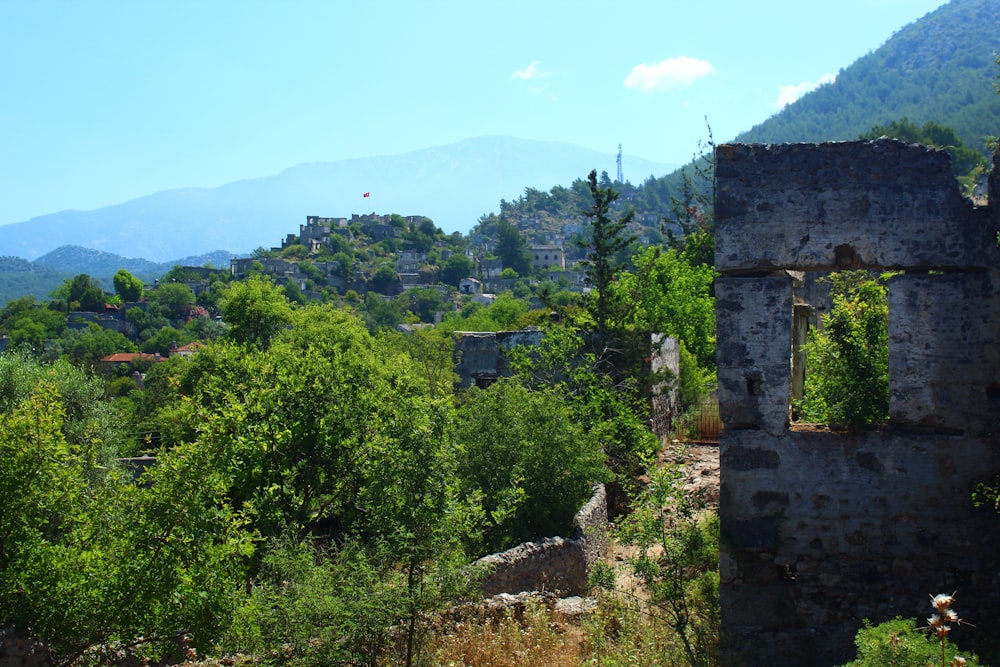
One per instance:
(87, 422)
(512, 249)
(174, 300)
(164, 340)
(607, 238)
(457, 267)
(255, 310)
(668, 294)
(425, 302)
(385, 280)
(90, 561)
(431, 351)
(528, 460)
(41, 480)
(847, 360)
(294, 293)
(608, 406)
(88, 346)
(127, 286)
(30, 324)
(382, 312)
(204, 327)
(82, 293)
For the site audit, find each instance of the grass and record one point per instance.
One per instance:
(618, 633)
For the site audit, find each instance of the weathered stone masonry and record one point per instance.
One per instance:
(820, 529)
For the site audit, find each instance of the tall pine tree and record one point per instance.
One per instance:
(608, 238)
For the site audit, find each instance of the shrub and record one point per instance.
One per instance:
(527, 459)
(847, 360)
(900, 643)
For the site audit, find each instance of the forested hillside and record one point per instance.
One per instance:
(940, 68)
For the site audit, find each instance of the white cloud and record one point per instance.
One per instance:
(530, 72)
(669, 73)
(788, 94)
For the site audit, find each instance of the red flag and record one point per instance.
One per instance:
(367, 194)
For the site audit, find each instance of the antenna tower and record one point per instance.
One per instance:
(621, 179)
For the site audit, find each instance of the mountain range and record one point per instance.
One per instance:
(939, 68)
(453, 185)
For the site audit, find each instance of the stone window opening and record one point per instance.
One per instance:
(854, 361)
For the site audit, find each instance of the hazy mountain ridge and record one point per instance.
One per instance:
(938, 68)
(454, 185)
(102, 265)
(20, 277)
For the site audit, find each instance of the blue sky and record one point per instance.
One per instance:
(101, 102)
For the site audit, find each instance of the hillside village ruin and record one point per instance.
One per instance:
(821, 528)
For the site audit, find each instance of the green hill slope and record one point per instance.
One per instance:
(939, 68)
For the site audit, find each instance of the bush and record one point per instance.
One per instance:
(847, 360)
(678, 561)
(527, 460)
(901, 643)
(312, 606)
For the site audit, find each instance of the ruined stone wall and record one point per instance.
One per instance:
(821, 530)
(18, 651)
(553, 564)
(480, 357)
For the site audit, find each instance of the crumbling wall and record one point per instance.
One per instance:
(18, 651)
(553, 564)
(480, 356)
(821, 529)
(665, 364)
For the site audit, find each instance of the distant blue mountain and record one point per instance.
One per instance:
(454, 185)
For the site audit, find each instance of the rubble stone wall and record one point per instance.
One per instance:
(554, 564)
(822, 529)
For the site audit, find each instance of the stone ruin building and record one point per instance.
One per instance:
(481, 357)
(822, 529)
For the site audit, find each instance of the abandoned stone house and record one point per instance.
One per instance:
(545, 256)
(482, 357)
(822, 529)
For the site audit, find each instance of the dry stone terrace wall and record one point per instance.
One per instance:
(823, 529)
(554, 564)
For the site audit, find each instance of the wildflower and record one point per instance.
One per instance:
(941, 601)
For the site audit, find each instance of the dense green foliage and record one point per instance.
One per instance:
(938, 69)
(319, 484)
(255, 311)
(847, 358)
(127, 286)
(900, 642)
(527, 459)
(670, 295)
(82, 293)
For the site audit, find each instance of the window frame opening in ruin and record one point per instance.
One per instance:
(812, 307)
